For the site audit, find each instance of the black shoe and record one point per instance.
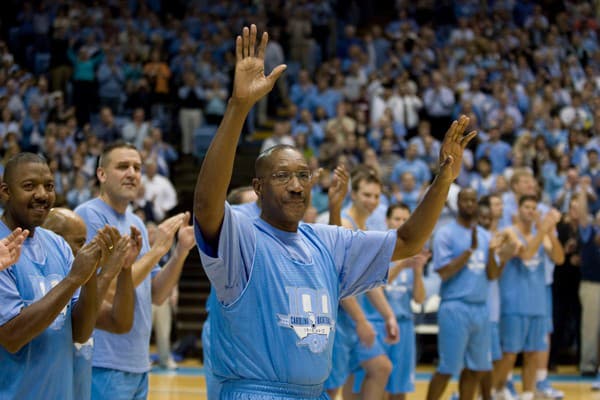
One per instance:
(588, 374)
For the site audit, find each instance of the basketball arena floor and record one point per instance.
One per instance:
(187, 383)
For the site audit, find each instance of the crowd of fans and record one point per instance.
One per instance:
(360, 88)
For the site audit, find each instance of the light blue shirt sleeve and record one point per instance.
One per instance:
(11, 302)
(362, 258)
(442, 248)
(228, 267)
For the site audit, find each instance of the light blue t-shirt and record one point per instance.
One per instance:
(127, 352)
(43, 368)
(470, 284)
(278, 294)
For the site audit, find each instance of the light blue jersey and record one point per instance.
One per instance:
(493, 301)
(277, 300)
(464, 336)
(470, 284)
(127, 352)
(399, 293)
(213, 387)
(523, 287)
(82, 369)
(43, 368)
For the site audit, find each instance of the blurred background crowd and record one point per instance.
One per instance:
(368, 82)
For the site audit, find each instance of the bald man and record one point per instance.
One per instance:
(115, 312)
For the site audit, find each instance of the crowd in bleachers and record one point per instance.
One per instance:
(377, 87)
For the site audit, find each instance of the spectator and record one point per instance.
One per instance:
(191, 98)
(111, 83)
(158, 191)
(137, 129)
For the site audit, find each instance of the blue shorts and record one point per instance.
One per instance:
(464, 339)
(520, 333)
(257, 390)
(213, 385)
(549, 304)
(348, 355)
(495, 337)
(403, 357)
(112, 384)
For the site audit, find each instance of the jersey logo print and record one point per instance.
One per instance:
(41, 285)
(476, 262)
(310, 317)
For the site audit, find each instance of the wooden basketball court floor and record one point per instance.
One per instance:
(188, 383)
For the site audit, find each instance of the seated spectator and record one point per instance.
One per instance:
(416, 166)
(106, 129)
(80, 191)
(8, 123)
(408, 191)
(281, 135)
(483, 181)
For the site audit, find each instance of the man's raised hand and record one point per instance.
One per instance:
(452, 148)
(250, 83)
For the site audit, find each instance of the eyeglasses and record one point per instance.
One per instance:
(284, 177)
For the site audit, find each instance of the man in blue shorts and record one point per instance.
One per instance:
(356, 343)
(523, 322)
(464, 255)
(278, 281)
(121, 361)
(114, 316)
(405, 284)
(43, 311)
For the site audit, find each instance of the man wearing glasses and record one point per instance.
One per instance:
(278, 281)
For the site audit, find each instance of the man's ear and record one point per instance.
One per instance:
(101, 174)
(257, 186)
(4, 192)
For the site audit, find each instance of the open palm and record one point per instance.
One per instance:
(452, 148)
(250, 82)
(10, 247)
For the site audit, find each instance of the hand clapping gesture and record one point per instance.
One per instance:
(10, 247)
(339, 187)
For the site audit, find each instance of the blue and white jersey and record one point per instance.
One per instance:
(494, 301)
(398, 292)
(278, 294)
(43, 368)
(82, 369)
(127, 352)
(523, 285)
(470, 284)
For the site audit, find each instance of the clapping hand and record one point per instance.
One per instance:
(339, 187)
(10, 247)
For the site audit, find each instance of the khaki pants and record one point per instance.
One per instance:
(589, 295)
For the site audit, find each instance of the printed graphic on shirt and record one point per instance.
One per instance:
(476, 262)
(41, 285)
(309, 317)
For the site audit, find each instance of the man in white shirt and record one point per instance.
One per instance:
(158, 190)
